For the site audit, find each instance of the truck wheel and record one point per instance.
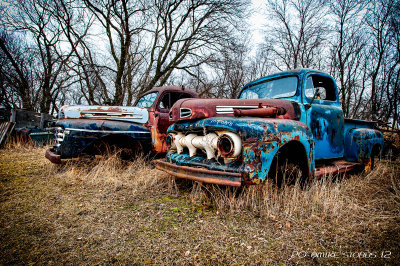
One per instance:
(125, 148)
(289, 172)
(132, 151)
(290, 166)
(285, 171)
(125, 152)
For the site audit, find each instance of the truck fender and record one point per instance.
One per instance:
(288, 138)
(361, 143)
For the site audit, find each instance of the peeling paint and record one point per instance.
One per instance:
(312, 131)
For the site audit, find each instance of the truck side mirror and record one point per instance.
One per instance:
(316, 94)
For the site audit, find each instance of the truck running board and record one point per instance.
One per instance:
(335, 167)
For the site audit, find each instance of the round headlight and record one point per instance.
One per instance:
(225, 145)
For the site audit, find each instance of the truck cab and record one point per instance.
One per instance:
(139, 128)
(292, 117)
(316, 93)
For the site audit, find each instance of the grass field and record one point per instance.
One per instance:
(107, 211)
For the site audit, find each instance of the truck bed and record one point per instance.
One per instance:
(357, 123)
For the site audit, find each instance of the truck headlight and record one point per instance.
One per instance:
(229, 145)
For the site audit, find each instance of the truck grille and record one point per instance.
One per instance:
(222, 144)
(59, 136)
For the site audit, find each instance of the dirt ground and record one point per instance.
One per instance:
(106, 211)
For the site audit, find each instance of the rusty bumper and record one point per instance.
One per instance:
(200, 174)
(53, 157)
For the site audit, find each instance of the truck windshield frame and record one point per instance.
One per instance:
(283, 87)
(147, 100)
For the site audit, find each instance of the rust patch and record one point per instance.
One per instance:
(53, 157)
(260, 112)
(201, 174)
(336, 167)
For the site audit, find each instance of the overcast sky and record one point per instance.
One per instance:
(258, 20)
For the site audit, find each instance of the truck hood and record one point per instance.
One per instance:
(186, 109)
(118, 113)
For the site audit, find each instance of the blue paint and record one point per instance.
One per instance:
(82, 134)
(261, 138)
(360, 142)
(321, 133)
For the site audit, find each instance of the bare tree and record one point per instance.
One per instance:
(33, 18)
(262, 63)
(75, 22)
(16, 62)
(146, 42)
(378, 21)
(122, 20)
(393, 88)
(226, 73)
(388, 80)
(297, 32)
(347, 56)
(186, 34)
(232, 71)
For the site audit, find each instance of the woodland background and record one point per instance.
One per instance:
(110, 52)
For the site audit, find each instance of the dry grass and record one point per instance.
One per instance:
(358, 213)
(109, 211)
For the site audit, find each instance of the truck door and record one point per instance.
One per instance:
(324, 116)
(162, 121)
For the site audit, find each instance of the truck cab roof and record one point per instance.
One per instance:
(172, 89)
(298, 71)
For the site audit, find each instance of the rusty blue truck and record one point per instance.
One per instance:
(289, 121)
(94, 129)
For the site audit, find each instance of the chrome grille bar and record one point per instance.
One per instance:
(59, 136)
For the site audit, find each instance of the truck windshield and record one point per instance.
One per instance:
(147, 100)
(271, 89)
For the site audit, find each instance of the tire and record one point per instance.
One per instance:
(288, 170)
